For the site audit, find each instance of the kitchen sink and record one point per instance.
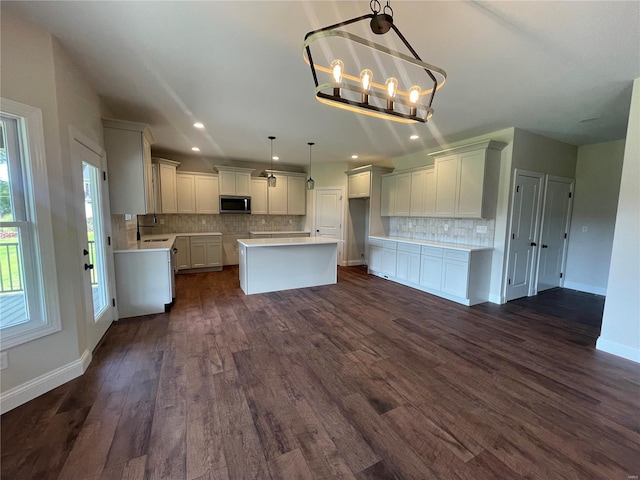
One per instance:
(156, 240)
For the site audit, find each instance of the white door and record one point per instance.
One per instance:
(328, 215)
(92, 212)
(524, 232)
(554, 232)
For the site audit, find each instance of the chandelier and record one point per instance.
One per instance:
(359, 92)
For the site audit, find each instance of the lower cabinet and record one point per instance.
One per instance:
(458, 275)
(199, 251)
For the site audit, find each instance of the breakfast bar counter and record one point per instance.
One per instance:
(274, 264)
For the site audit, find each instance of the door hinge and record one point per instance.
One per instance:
(513, 236)
(509, 281)
(570, 194)
(565, 235)
(108, 240)
(517, 188)
(104, 175)
(113, 302)
(560, 274)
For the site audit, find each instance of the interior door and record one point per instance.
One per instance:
(523, 242)
(328, 215)
(554, 232)
(92, 212)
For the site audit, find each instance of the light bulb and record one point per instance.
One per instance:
(391, 85)
(337, 67)
(366, 76)
(414, 93)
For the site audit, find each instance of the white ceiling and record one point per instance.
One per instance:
(238, 67)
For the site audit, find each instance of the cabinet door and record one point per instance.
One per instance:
(413, 273)
(168, 195)
(431, 272)
(470, 184)
(446, 183)
(227, 182)
(375, 258)
(389, 261)
(403, 195)
(297, 196)
(278, 197)
(243, 183)
(206, 193)
(455, 277)
(387, 205)
(402, 265)
(213, 253)
(354, 190)
(198, 254)
(186, 193)
(429, 196)
(148, 176)
(417, 192)
(183, 257)
(259, 204)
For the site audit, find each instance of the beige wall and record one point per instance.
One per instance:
(621, 321)
(541, 154)
(36, 71)
(598, 173)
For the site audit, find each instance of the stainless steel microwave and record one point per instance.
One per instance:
(235, 204)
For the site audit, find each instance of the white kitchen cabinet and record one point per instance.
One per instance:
(183, 256)
(234, 181)
(165, 185)
(417, 193)
(408, 263)
(128, 148)
(259, 199)
(467, 180)
(278, 196)
(205, 251)
(360, 185)
(383, 257)
(431, 271)
(388, 198)
(396, 195)
(429, 196)
(206, 194)
(297, 196)
(375, 258)
(197, 193)
(455, 277)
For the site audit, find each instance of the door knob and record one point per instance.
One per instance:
(544, 246)
(534, 244)
(88, 266)
(317, 231)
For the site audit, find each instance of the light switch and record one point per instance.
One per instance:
(481, 229)
(446, 227)
(204, 222)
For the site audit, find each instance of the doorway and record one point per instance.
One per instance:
(94, 237)
(329, 214)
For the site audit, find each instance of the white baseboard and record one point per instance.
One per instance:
(34, 388)
(581, 287)
(618, 349)
(353, 263)
(496, 299)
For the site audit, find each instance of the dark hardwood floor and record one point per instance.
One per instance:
(365, 379)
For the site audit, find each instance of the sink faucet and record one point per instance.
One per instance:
(155, 220)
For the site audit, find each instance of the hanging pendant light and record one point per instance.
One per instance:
(310, 182)
(271, 179)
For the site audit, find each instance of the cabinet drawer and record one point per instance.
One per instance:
(389, 245)
(206, 239)
(458, 255)
(431, 251)
(375, 242)
(409, 247)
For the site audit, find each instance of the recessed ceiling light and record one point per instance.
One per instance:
(414, 137)
(354, 156)
(276, 158)
(589, 120)
(195, 149)
(198, 125)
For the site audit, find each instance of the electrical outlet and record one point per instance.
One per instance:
(410, 225)
(446, 227)
(204, 222)
(263, 222)
(290, 222)
(585, 229)
(481, 229)
(162, 221)
(4, 360)
(127, 217)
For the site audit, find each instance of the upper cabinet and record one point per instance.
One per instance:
(197, 193)
(165, 185)
(467, 180)
(359, 184)
(396, 195)
(128, 147)
(289, 196)
(259, 202)
(234, 181)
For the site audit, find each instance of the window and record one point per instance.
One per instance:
(28, 285)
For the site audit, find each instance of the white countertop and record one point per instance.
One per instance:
(285, 242)
(452, 246)
(280, 232)
(159, 246)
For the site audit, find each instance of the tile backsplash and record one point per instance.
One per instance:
(125, 231)
(459, 231)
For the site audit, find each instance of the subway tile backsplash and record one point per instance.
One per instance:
(459, 231)
(125, 232)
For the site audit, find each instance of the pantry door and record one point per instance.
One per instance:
(328, 215)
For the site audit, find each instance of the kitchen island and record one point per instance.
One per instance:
(274, 264)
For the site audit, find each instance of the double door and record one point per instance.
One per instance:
(540, 217)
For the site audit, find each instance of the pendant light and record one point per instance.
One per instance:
(310, 182)
(271, 179)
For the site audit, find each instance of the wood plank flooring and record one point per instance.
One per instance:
(361, 380)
